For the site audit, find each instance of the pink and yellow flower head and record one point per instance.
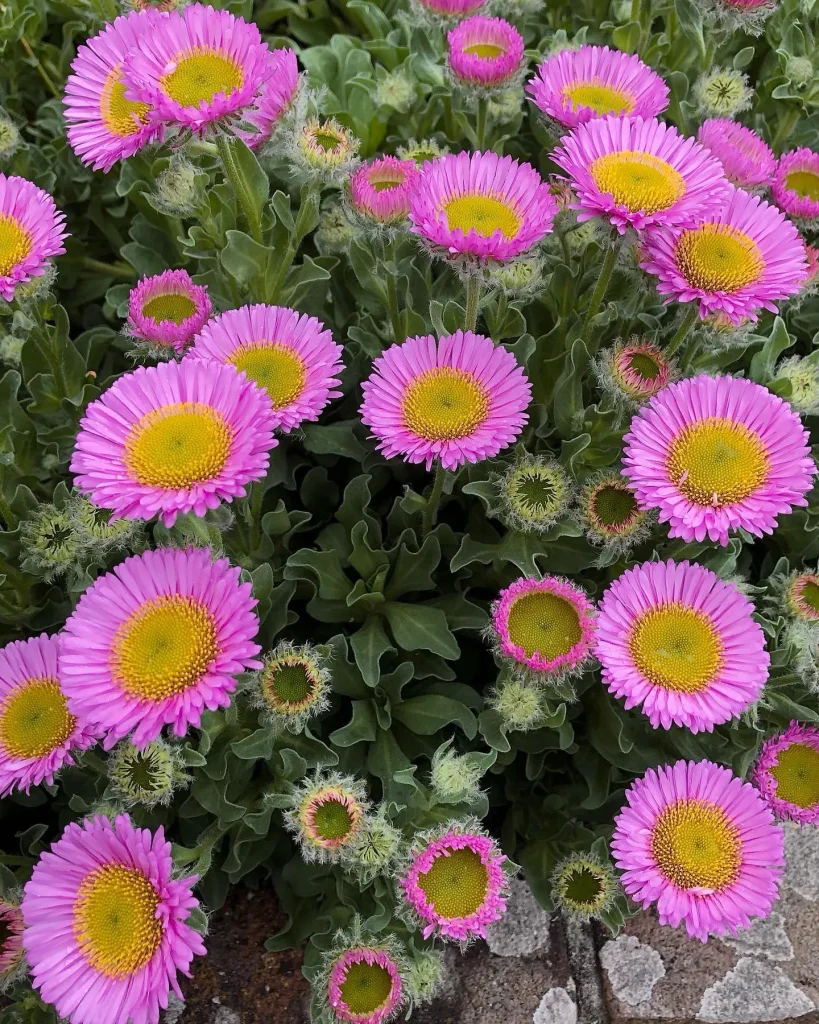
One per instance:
(461, 399)
(680, 644)
(11, 941)
(735, 261)
(639, 369)
(38, 732)
(739, 15)
(32, 230)
(454, 884)
(485, 52)
(103, 125)
(329, 813)
(747, 160)
(718, 454)
(802, 596)
(787, 773)
(795, 188)
(168, 309)
(544, 627)
(365, 985)
(480, 206)
(275, 100)
(445, 12)
(288, 355)
(609, 513)
(156, 642)
(203, 67)
(702, 845)
(174, 438)
(106, 929)
(575, 86)
(379, 190)
(639, 173)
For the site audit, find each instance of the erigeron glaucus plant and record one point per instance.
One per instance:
(466, 474)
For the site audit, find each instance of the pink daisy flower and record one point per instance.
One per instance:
(735, 261)
(701, 844)
(37, 732)
(681, 644)
(639, 172)
(747, 160)
(812, 257)
(104, 126)
(275, 99)
(31, 232)
(575, 86)
(485, 51)
(157, 641)
(204, 67)
(455, 883)
(106, 932)
(447, 11)
(481, 206)
(11, 941)
(168, 309)
(716, 454)
(380, 189)
(787, 773)
(795, 188)
(639, 369)
(461, 399)
(544, 625)
(289, 355)
(365, 986)
(173, 438)
(327, 816)
(802, 596)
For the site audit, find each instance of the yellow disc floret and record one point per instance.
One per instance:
(676, 647)
(276, 368)
(120, 116)
(456, 885)
(366, 988)
(696, 846)
(34, 719)
(797, 775)
(639, 181)
(173, 306)
(804, 183)
(544, 623)
(15, 243)
(198, 76)
(602, 99)
(178, 445)
(482, 214)
(444, 404)
(718, 258)
(717, 461)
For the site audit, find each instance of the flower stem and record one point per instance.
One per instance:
(683, 330)
(473, 298)
(52, 88)
(392, 294)
(481, 129)
(602, 285)
(786, 126)
(115, 269)
(241, 188)
(256, 496)
(434, 499)
(7, 514)
(307, 209)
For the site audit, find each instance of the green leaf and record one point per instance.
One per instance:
(258, 745)
(418, 627)
(369, 645)
(361, 727)
(426, 715)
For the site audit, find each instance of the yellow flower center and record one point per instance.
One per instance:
(638, 181)
(482, 214)
(797, 775)
(275, 367)
(444, 403)
(456, 884)
(173, 306)
(34, 719)
(804, 183)
(366, 988)
(332, 820)
(165, 647)
(384, 184)
(115, 920)
(120, 116)
(643, 365)
(199, 75)
(178, 445)
(15, 243)
(602, 99)
(718, 258)
(488, 51)
(808, 592)
(696, 846)
(676, 647)
(717, 462)
(544, 623)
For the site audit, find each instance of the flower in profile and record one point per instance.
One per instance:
(288, 355)
(173, 438)
(443, 13)
(325, 151)
(10, 137)
(609, 513)
(292, 686)
(104, 125)
(795, 188)
(639, 172)
(275, 101)
(485, 52)
(32, 230)
(454, 883)
(681, 644)
(454, 777)
(362, 980)
(461, 399)
(11, 942)
(544, 627)
(738, 15)
(534, 493)
(180, 188)
(633, 371)
(51, 545)
(723, 92)
(716, 454)
(747, 160)
(202, 67)
(803, 377)
(480, 206)
(97, 532)
(106, 929)
(701, 844)
(156, 642)
(379, 190)
(787, 773)
(38, 732)
(168, 309)
(328, 813)
(735, 261)
(802, 597)
(421, 152)
(521, 707)
(148, 777)
(575, 86)
(335, 231)
(374, 848)
(584, 886)
(425, 973)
